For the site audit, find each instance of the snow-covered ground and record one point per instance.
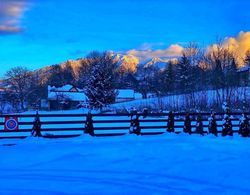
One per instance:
(179, 101)
(165, 164)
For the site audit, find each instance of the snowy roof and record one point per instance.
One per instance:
(125, 93)
(66, 92)
(65, 88)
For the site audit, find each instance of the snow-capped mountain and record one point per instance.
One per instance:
(127, 63)
(156, 62)
(132, 62)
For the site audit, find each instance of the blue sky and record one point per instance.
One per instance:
(36, 33)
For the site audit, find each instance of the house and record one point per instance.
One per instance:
(65, 97)
(244, 73)
(125, 95)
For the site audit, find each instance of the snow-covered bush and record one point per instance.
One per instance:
(244, 130)
(227, 127)
(199, 125)
(212, 125)
(170, 124)
(187, 124)
(135, 124)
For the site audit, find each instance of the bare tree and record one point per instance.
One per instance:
(19, 82)
(224, 78)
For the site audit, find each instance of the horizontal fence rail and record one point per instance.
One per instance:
(72, 125)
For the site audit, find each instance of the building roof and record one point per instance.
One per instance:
(66, 92)
(125, 94)
(65, 88)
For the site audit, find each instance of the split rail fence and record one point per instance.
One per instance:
(72, 125)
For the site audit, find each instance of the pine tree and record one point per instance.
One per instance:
(244, 130)
(186, 75)
(199, 125)
(168, 80)
(212, 125)
(227, 128)
(135, 123)
(36, 130)
(187, 124)
(100, 88)
(182, 73)
(89, 127)
(170, 126)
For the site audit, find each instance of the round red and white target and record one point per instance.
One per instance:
(11, 124)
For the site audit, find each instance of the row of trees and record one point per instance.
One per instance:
(98, 73)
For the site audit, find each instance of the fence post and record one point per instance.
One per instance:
(135, 124)
(227, 127)
(89, 127)
(187, 124)
(145, 113)
(199, 125)
(212, 125)
(36, 130)
(244, 129)
(170, 124)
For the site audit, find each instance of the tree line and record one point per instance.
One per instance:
(99, 74)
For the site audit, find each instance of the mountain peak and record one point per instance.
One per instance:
(157, 62)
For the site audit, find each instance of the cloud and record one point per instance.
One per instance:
(172, 51)
(11, 12)
(4, 29)
(239, 45)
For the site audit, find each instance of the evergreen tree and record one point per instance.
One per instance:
(186, 75)
(232, 77)
(135, 123)
(89, 127)
(212, 125)
(36, 130)
(100, 88)
(227, 128)
(199, 125)
(182, 73)
(244, 130)
(187, 124)
(168, 81)
(170, 126)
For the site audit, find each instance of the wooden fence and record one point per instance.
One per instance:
(71, 125)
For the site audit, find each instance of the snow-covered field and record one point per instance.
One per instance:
(178, 101)
(165, 164)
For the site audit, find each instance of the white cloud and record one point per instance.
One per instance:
(172, 51)
(11, 12)
(238, 45)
